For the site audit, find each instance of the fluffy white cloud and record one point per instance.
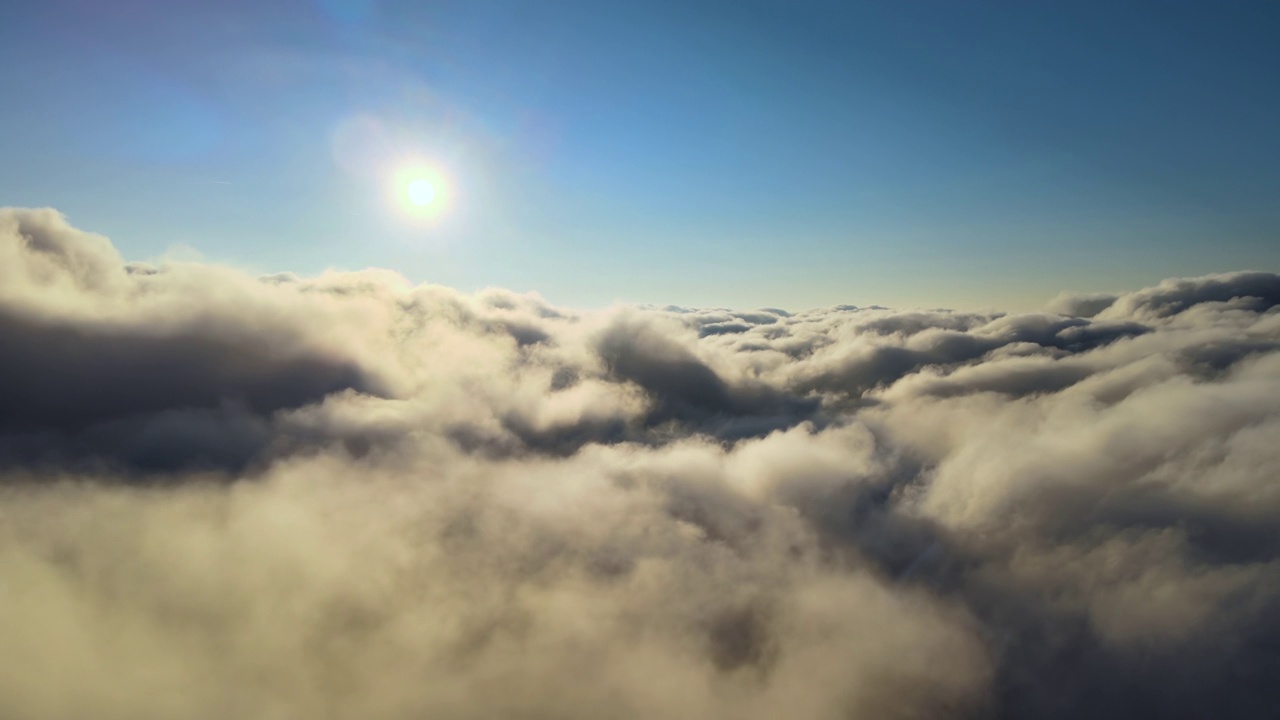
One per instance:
(347, 496)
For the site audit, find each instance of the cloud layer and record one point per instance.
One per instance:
(347, 496)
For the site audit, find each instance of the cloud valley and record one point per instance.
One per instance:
(348, 496)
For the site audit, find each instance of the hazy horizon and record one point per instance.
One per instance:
(181, 254)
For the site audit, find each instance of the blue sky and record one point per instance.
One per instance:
(788, 154)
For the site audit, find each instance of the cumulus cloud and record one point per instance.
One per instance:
(349, 496)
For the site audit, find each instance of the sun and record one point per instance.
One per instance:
(421, 190)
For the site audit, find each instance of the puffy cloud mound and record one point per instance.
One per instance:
(348, 496)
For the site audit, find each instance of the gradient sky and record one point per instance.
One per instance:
(788, 154)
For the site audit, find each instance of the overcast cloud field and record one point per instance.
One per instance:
(228, 496)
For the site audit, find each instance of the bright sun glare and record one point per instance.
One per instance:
(420, 190)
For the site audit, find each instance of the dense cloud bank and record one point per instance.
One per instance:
(346, 496)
